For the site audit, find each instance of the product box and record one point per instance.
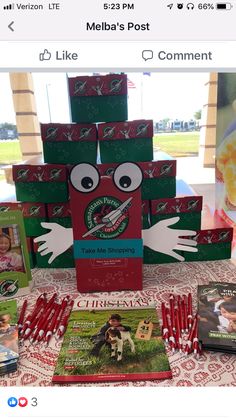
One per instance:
(15, 275)
(59, 213)
(65, 260)
(69, 143)
(108, 246)
(98, 98)
(126, 141)
(34, 214)
(159, 177)
(145, 214)
(187, 208)
(212, 244)
(30, 247)
(41, 183)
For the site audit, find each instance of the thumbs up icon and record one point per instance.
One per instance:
(45, 55)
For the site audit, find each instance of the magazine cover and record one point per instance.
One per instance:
(217, 316)
(14, 259)
(112, 341)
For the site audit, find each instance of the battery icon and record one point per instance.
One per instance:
(224, 6)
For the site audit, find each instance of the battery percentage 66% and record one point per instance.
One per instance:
(216, 6)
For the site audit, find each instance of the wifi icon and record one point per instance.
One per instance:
(9, 7)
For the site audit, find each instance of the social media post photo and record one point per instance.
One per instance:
(117, 212)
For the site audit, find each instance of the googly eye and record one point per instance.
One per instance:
(84, 177)
(128, 177)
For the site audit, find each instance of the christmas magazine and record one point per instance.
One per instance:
(112, 341)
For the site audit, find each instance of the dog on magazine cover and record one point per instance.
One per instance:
(100, 338)
(117, 338)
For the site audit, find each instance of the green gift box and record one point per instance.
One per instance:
(150, 257)
(98, 98)
(213, 244)
(187, 208)
(34, 214)
(158, 177)
(32, 257)
(69, 143)
(126, 141)
(65, 260)
(41, 183)
(60, 213)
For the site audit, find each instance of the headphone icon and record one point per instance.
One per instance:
(190, 6)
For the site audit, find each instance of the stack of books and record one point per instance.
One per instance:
(217, 316)
(9, 352)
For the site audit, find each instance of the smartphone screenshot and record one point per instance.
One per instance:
(117, 209)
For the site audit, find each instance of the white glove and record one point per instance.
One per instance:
(165, 240)
(57, 241)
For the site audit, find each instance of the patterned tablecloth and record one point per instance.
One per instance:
(37, 364)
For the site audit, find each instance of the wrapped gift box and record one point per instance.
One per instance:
(187, 208)
(126, 141)
(69, 143)
(32, 257)
(59, 213)
(41, 183)
(213, 244)
(65, 260)
(98, 98)
(145, 214)
(159, 177)
(34, 214)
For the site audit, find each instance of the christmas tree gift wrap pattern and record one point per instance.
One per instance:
(41, 183)
(59, 213)
(126, 141)
(159, 177)
(188, 209)
(69, 143)
(212, 244)
(98, 98)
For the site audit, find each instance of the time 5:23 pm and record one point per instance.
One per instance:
(118, 6)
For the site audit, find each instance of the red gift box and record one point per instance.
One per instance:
(105, 251)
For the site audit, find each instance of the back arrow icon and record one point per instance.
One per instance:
(10, 26)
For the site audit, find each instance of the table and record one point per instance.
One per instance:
(37, 363)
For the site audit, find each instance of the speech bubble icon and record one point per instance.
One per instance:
(147, 54)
